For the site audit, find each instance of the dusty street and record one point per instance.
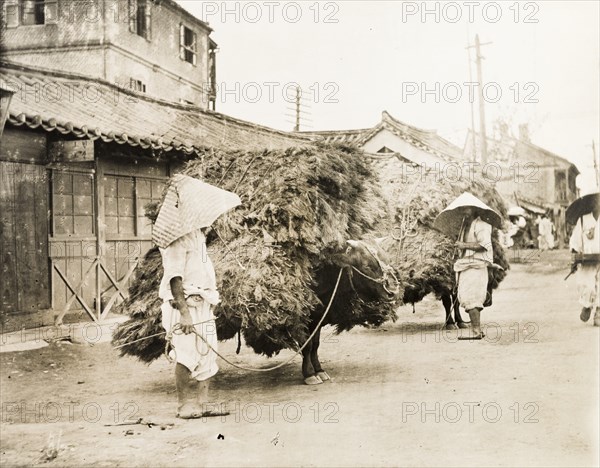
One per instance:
(403, 395)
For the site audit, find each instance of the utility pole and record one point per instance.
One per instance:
(297, 126)
(482, 133)
(596, 164)
(297, 108)
(473, 135)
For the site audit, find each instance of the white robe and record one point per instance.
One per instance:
(187, 257)
(586, 239)
(471, 269)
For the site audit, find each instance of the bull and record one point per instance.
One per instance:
(367, 289)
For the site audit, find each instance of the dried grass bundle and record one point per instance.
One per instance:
(423, 256)
(299, 207)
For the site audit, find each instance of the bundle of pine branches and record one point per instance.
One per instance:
(299, 207)
(416, 195)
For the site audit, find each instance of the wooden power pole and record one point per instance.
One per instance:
(298, 109)
(482, 133)
(596, 165)
(297, 125)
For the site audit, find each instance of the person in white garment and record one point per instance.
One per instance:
(469, 220)
(189, 291)
(189, 288)
(546, 234)
(472, 268)
(585, 240)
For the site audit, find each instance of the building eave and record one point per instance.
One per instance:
(127, 117)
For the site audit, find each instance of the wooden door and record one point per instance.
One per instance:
(24, 282)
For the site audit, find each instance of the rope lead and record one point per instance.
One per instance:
(169, 337)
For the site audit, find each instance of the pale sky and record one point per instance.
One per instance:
(365, 57)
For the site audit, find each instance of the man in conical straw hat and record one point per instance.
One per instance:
(470, 221)
(585, 240)
(188, 287)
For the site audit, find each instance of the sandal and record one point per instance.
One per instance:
(473, 337)
(204, 414)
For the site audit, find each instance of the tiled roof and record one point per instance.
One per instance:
(96, 109)
(427, 140)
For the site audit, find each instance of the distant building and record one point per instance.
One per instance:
(150, 46)
(391, 136)
(529, 176)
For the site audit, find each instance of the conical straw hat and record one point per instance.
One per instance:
(582, 206)
(450, 220)
(189, 204)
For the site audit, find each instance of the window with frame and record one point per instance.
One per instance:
(148, 191)
(139, 18)
(119, 205)
(125, 199)
(187, 44)
(137, 85)
(72, 204)
(30, 12)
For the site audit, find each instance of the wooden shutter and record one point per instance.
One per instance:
(132, 12)
(11, 13)
(148, 19)
(51, 11)
(194, 48)
(182, 42)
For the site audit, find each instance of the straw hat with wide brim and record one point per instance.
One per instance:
(582, 206)
(516, 211)
(450, 220)
(189, 204)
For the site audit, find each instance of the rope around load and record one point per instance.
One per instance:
(268, 369)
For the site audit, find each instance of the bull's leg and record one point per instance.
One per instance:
(314, 357)
(459, 320)
(308, 371)
(447, 302)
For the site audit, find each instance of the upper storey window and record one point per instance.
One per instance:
(30, 12)
(187, 44)
(139, 18)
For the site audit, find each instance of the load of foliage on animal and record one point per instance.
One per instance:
(299, 208)
(416, 195)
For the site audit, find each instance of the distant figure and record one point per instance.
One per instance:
(506, 238)
(518, 231)
(546, 234)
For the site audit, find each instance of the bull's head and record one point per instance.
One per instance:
(370, 272)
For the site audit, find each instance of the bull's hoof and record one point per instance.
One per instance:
(324, 376)
(585, 314)
(313, 380)
(450, 326)
(463, 325)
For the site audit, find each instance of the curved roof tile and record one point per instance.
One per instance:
(126, 117)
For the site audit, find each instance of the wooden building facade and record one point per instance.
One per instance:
(72, 232)
(75, 177)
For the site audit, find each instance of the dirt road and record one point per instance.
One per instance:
(403, 395)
